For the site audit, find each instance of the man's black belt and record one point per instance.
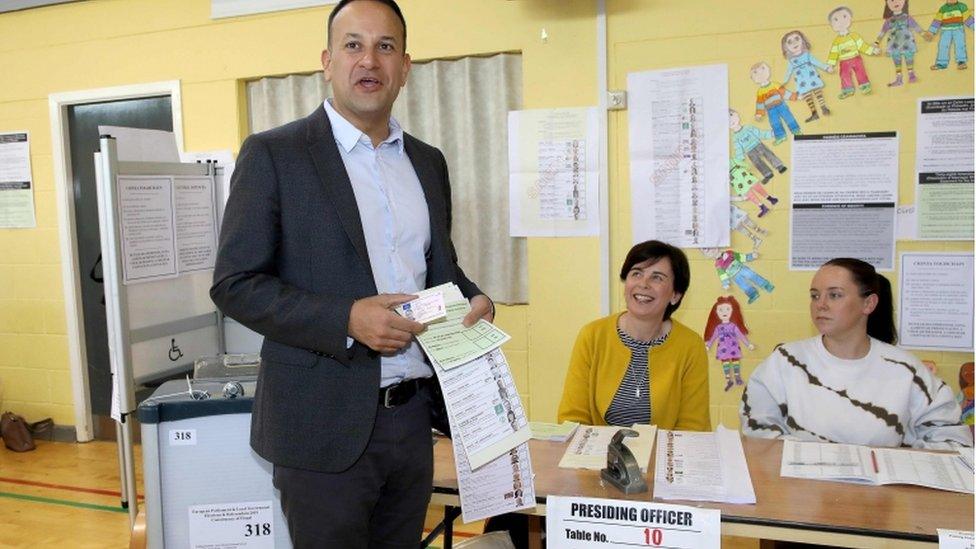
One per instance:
(399, 393)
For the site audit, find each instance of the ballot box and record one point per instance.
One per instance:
(204, 486)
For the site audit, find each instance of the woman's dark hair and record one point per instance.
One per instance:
(388, 3)
(655, 250)
(881, 322)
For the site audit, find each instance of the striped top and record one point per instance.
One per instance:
(952, 16)
(632, 402)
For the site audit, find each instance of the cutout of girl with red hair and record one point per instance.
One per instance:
(726, 325)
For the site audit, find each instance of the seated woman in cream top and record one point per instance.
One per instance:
(641, 366)
(850, 383)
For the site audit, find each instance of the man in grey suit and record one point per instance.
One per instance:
(332, 220)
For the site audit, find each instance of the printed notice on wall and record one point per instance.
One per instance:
(232, 526)
(936, 308)
(16, 184)
(585, 523)
(944, 168)
(844, 190)
(679, 155)
(553, 162)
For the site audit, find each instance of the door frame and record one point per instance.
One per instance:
(58, 104)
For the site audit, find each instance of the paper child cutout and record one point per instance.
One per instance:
(726, 325)
(771, 99)
(965, 397)
(900, 29)
(949, 20)
(847, 49)
(746, 186)
(748, 141)
(740, 221)
(731, 267)
(803, 67)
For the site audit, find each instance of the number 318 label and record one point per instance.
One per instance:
(239, 525)
(183, 437)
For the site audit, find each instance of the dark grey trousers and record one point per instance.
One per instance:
(378, 503)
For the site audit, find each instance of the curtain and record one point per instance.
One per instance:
(460, 106)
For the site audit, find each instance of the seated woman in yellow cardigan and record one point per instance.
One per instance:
(640, 366)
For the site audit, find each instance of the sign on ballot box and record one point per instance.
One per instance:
(584, 523)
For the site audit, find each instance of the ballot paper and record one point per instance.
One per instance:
(484, 406)
(588, 449)
(702, 467)
(876, 466)
(556, 432)
(448, 343)
(503, 485)
(428, 307)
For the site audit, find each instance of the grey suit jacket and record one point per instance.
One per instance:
(291, 261)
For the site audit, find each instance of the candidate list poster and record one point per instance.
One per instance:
(944, 169)
(844, 191)
(935, 310)
(679, 155)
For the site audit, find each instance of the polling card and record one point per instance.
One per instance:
(425, 309)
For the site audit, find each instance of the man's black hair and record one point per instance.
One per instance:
(388, 3)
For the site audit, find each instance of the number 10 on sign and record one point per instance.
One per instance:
(584, 523)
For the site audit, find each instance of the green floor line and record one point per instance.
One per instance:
(69, 503)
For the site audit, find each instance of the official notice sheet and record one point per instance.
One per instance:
(877, 466)
(702, 467)
(679, 155)
(944, 168)
(588, 448)
(844, 190)
(16, 183)
(168, 226)
(591, 523)
(485, 407)
(554, 171)
(935, 309)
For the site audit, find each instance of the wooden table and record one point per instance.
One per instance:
(790, 509)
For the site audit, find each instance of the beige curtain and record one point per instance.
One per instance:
(460, 106)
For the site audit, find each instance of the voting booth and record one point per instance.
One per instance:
(204, 485)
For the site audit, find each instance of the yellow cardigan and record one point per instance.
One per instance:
(678, 377)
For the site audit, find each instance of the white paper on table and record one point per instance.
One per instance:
(591, 523)
(16, 182)
(556, 432)
(141, 145)
(679, 155)
(955, 539)
(944, 176)
(588, 448)
(843, 180)
(503, 485)
(554, 172)
(448, 343)
(877, 466)
(484, 407)
(935, 306)
(702, 467)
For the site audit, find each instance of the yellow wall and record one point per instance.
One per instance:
(103, 43)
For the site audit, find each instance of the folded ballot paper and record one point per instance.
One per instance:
(554, 432)
(702, 467)
(446, 341)
(588, 449)
(877, 466)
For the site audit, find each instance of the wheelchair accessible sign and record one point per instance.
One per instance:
(585, 523)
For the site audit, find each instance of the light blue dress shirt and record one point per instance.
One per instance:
(395, 221)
